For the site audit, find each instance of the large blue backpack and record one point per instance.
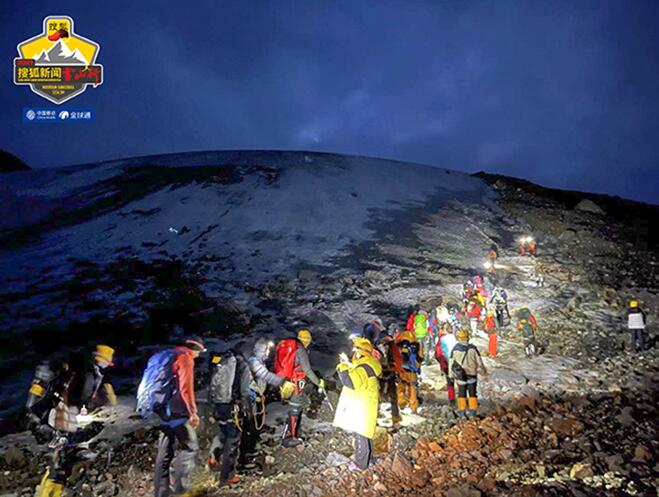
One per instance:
(157, 386)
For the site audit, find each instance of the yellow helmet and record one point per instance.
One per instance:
(462, 335)
(304, 336)
(104, 354)
(406, 335)
(363, 345)
(633, 303)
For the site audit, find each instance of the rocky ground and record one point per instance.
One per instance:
(580, 419)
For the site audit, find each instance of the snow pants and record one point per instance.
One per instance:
(428, 344)
(450, 387)
(407, 391)
(363, 451)
(224, 447)
(636, 339)
(389, 391)
(492, 344)
(473, 323)
(467, 402)
(183, 437)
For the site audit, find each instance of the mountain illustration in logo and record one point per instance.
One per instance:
(59, 53)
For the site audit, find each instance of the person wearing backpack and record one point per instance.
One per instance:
(54, 402)
(262, 378)
(527, 326)
(443, 351)
(423, 336)
(636, 319)
(357, 410)
(392, 366)
(167, 390)
(292, 363)
(411, 353)
(465, 365)
(228, 396)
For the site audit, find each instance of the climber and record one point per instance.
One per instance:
(490, 327)
(412, 311)
(411, 353)
(467, 292)
(65, 408)
(392, 367)
(167, 389)
(423, 336)
(539, 273)
(261, 379)
(527, 326)
(499, 300)
(527, 245)
(228, 394)
(357, 410)
(636, 320)
(443, 351)
(474, 310)
(292, 363)
(492, 256)
(465, 365)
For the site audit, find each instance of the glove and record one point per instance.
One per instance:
(321, 385)
(286, 390)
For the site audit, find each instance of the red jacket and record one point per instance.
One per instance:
(474, 310)
(410, 322)
(489, 324)
(183, 369)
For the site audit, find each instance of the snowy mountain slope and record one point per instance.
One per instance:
(82, 244)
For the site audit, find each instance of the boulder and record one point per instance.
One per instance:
(581, 470)
(587, 205)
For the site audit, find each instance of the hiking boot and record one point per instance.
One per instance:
(291, 442)
(234, 480)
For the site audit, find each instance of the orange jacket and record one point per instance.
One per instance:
(183, 369)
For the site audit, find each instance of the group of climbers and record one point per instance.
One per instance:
(383, 365)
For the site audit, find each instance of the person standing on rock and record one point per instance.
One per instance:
(527, 326)
(392, 367)
(167, 389)
(490, 327)
(292, 363)
(636, 319)
(443, 351)
(262, 377)
(474, 310)
(539, 273)
(228, 394)
(423, 336)
(499, 300)
(357, 410)
(57, 405)
(466, 364)
(411, 353)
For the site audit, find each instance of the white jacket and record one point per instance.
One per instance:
(635, 321)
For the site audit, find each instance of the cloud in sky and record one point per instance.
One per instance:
(562, 93)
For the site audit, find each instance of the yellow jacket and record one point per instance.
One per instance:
(357, 411)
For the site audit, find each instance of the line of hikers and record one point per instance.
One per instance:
(383, 365)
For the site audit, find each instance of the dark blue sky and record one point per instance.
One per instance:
(565, 94)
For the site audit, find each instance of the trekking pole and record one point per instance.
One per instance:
(326, 399)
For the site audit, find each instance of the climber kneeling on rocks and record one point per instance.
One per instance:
(61, 411)
(357, 410)
(465, 365)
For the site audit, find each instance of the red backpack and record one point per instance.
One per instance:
(285, 359)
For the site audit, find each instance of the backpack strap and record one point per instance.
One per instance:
(369, 370)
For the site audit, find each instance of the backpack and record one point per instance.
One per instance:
(458, 371)
(222, 388)
(410, 353)
(421, 325)
(285, 352)
(157, 386)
